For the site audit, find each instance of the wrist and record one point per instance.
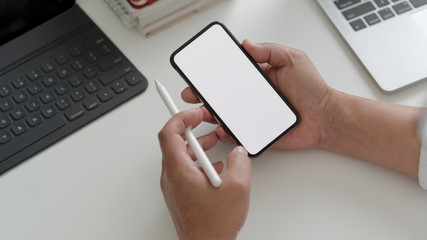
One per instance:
(329, 105)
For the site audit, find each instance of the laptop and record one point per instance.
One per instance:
(58, 72)
(388, 36)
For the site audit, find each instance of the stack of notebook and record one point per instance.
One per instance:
(150, 15)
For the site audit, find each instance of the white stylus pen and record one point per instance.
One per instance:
(192, 140)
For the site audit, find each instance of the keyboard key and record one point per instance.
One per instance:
(34, 120)
(62, 59)
(32, 105)
(4, 121)
(35, 88)
(63, 103)
(62, 88)
(77, 95)
(47, 97)
(18, 113)
(49, 81)
(5, 137)
(74, 112)
(381, 3)
(372, 19)
(76, 51)
(345, 3)
(418, 3)
(133, 79)
(358, 24)
(90, 73)
(108, 62)
(19, 128)
(91, 57)
(48, 111)
(119, 86)
(386, 13)
(105, 95)
(402, 7)
(90, 103)
(119, 71)
(105, 49)
(20, 97)
(5, 90)
(75, 81)
(358, 10)
(92, 86)
(76, 65)
(64, 72)
(19, 82)
(6, 105)
(33, 135)
(48, 67)
(34, 74)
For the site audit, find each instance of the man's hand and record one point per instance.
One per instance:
(198, 210)
(295, 76)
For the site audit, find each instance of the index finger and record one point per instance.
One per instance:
(171, 137)
(189, 96)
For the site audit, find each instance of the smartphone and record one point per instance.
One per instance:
(234, 88)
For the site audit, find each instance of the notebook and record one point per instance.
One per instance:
(388, 36)
(58, 72)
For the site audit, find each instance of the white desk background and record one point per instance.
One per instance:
(103, 181)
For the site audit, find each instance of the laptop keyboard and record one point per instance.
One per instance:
(61, 90)
(362, 14)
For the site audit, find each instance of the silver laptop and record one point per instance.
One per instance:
(388, 36)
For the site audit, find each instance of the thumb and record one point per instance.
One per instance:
(239, 166)
(271, 53)
(257, 52)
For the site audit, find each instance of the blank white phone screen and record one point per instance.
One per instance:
(234, 88)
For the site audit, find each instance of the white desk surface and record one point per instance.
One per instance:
(103, 181)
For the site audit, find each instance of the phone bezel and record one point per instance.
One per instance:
(206, 103)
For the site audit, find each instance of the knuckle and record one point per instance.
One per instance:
(300, 53)
(240, 184)
(162, 134)
(162, 184)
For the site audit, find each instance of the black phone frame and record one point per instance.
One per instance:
(218, 118)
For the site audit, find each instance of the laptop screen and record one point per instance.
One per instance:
(20, 16)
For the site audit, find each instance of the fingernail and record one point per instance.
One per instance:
(241, 149)
(194, 110)
(252, 43)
